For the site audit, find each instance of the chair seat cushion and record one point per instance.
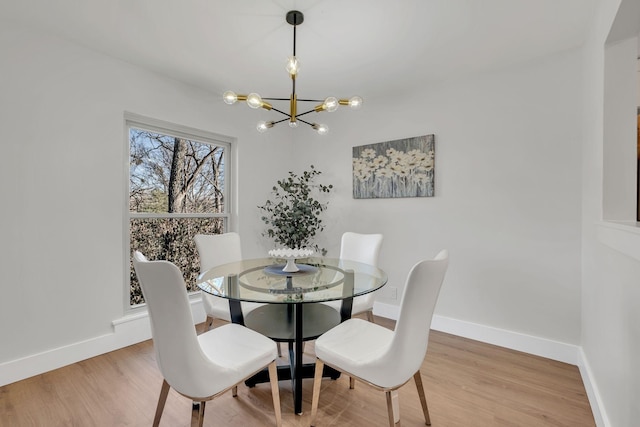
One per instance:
(239, 350)
(359, 347)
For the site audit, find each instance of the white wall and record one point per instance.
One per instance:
(63, 178)
(507, 202)
(611, 264)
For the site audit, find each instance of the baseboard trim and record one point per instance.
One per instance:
(595, 400)
(543, 347)
(537, 346)
(128, 330)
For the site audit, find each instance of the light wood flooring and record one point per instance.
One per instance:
(467, 383)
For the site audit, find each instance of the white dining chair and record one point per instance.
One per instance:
(215, 250)
(200, 367)
(364, 248)
(380, 357)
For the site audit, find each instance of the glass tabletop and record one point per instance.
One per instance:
(318, 279)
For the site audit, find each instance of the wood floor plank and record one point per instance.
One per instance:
(466, 383)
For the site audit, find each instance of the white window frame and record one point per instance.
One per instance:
(162, 127)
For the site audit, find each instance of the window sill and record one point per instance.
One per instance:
(623, 236)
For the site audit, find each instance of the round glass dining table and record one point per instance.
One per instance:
(290, 312)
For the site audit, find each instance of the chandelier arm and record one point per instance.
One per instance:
(304, 121)
(280, 121)
(308, 100)
(276, 99)
(281, 112)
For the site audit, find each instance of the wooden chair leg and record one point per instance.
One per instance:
(423, 399)
(390, 410)
(195, 413)
(275, 392)
(317, 381)
(197, 418)
(208, 323)
(352, 383)
(164, 392)
(234, 391)
(370, 316)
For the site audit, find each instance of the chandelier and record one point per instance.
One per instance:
(329, 104)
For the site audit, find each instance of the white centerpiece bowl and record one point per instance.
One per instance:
(291, 255)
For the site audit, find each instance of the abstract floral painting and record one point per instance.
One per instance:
(399, 168)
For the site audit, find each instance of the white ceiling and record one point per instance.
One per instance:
(346, 47)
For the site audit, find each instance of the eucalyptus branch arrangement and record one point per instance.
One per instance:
(293, 215)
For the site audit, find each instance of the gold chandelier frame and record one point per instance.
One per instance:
(329, 104)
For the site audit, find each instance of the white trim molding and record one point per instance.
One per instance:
(621, 236)
(537, 346)
(543, 347)
(595, 400)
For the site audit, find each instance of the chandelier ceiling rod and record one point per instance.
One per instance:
(329, 104)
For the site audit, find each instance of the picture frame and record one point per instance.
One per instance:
(398, 168)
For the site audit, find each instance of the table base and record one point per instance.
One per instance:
(293, 323)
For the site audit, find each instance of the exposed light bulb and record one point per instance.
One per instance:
(330, 104)
(254, 100)
(322, 129)
(355, 102)
(293, 66)
(230, 97)
(263, 126)
(293, 123)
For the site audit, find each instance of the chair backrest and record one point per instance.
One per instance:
(363, 248)
(411, 334)
(217, 249)
(178, 353)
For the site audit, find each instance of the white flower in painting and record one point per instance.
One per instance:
(397, 157)
(418, 155)
(427, 162)
(411, 162)
(420, 178)
(380, 161)
(398, 169)
(384, 173)
(391, 152)
(364, 176)
(368, 153)
(361, 169)
(359, 165)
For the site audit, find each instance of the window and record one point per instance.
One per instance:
(178, 187)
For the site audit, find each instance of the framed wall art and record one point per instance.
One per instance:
(398, 168)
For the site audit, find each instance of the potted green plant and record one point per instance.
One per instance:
(293, 214)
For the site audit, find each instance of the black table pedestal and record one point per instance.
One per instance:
(293, 323)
